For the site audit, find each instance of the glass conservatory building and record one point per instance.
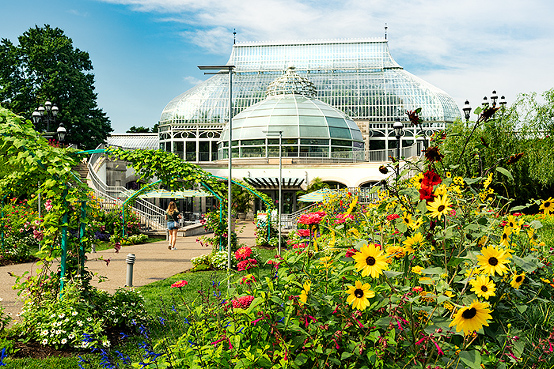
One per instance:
(358, 77)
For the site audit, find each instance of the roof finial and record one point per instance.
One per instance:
(234, 36)
(386, 31)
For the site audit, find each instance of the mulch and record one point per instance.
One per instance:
(31, 259)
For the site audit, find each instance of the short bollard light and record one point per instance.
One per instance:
(130, 262)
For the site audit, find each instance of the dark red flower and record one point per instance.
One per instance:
(430, 178)
(433, 154)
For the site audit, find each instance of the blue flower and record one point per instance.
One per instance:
(3, 356)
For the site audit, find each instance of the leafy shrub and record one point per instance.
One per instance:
(81, 318)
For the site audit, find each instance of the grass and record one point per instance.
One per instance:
(158, 296)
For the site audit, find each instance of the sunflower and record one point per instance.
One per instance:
(416, 223)
(493, 260)
(533, 237)
(483, 287)
(416, 239)
(417, 269)
(370, 260)
(472, 318)
(358, 295)
(517, 280)
(440, 206)
(547, 206)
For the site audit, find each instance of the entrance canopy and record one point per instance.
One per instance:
(316, 196)
(164, 194)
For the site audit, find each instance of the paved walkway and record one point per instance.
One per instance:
(153, 262)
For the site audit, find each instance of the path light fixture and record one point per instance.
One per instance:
(61, 132)
(46, 114)
(227, 69)
(467, 110)
(280, 134)
(398, 132)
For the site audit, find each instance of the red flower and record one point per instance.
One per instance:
(242, 302)
(247, 264)
(430, 178)
(341, 218)
(391, 217)
(426, 193)
(351, 252)
(243, 253)
(311, 218)
(303, 232)
(179, 284)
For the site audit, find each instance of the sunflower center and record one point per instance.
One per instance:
(469, 313)
(547, 204)
(370, 260)
(493, 261)
(359, 293)
(484, 288)
(440, 208)
(519, 278)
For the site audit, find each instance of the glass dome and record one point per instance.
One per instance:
(308, 127)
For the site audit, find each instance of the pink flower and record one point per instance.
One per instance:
(38, 235)
(392, 217)
(243, 253)
(341, 218)
(303, 232)
(247, 264)
(242, 302)
(48, 205)
(179, 284)
(311, 218)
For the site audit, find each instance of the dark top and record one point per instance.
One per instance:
(174, 217)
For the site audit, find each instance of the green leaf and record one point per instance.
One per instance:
(435, 270)
(345, 355)
(505, 172)
(391, 273)
(471, 358)
(529, 263)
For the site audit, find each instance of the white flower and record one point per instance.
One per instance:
(58, 331)
(64, 341)
(89, 319)
(84, 344)
(79, 323)
(106, 343)
(44, 332)
(61, 315)
(44, 342)
(71, 336)
(74, 313)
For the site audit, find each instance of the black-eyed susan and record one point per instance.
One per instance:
(370, 260)
(483, 287)
(439, 206)
(517, 280)
(407, 218)
(472, 318)
(493, 260)
(415, 240)
(547, 205)
(358, 295)
(416, 223)
(505, 238)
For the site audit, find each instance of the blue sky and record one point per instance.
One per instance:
(146, 52)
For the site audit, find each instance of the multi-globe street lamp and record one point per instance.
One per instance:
(47, 114)
(493, 98)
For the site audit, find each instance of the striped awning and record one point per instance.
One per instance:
(163, 194)
(273, 182)
(316, 196)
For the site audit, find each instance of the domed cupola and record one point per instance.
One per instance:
(309, 127)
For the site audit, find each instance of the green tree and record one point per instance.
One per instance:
(139, 129)
(46, 66)
(515, 144)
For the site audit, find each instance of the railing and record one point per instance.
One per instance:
(289, 221)
(151, 215)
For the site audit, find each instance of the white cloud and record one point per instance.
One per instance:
(192, 80)
(465, 48)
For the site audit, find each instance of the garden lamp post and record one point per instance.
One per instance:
(467, 110)
(46, 114)
(227, 69)
(494, 98)
(398, 132)
(280, 134)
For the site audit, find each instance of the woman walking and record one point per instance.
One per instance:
(172, 216)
